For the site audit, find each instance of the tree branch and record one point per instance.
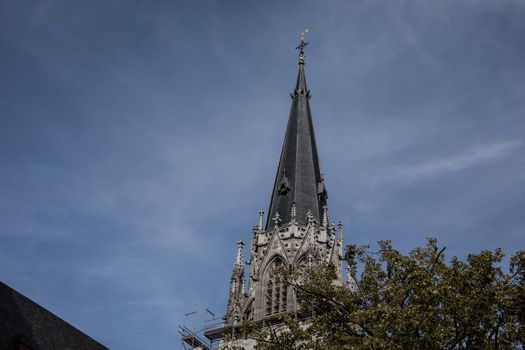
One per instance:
(436, 259)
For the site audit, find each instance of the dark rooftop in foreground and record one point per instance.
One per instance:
(25, 325)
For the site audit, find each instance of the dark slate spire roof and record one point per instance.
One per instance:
(299, 177)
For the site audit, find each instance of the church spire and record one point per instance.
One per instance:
(297, 232)
(299, 179)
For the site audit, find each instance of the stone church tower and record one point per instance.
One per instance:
(297, 232)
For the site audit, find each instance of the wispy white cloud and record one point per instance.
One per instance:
(459, 161)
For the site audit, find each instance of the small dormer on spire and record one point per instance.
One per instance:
(321, 191)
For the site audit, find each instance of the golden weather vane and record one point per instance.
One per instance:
(302, 45)
(306, 30)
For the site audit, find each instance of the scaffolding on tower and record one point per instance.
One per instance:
(192, 337)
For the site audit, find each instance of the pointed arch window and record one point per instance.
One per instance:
(305, 262)
(276, 290)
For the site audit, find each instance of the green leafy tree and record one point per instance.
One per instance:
(414, 301)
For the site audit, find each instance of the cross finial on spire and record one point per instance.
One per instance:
(302, 45)
(309, 217)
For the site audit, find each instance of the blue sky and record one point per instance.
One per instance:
(138, 140)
